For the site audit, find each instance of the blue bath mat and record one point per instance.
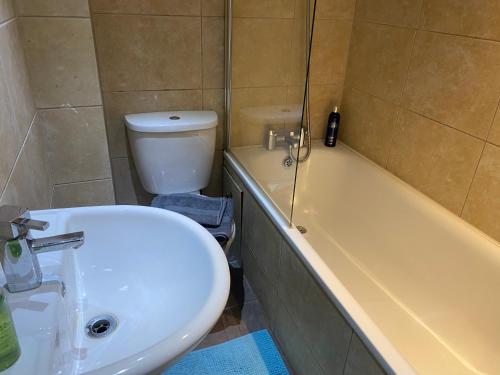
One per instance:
(253, 354)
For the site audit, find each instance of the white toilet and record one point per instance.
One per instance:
(173, 151)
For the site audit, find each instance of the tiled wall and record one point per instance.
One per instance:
(421, 99)
(158, 56)
(311, 331)
(59, 48)
(24, 174)
(330, 49)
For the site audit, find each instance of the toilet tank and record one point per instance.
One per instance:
(173, 151)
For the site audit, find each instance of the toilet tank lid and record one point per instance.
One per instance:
(169, 122)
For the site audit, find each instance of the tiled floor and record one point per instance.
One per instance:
(233, 323)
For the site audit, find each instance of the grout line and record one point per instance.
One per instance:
(149, 90)
(497, 112)
(18, 156)
(69, 107)
(263, 18)
(148, 15)
(52, 196)
(353, 87)
(202, 64)
(119, 157)
(419, 28)
(335, 19)
(472, 181)
(102, 94)
(7, 21)
(348, 350)
(421, 16)
(412, 56)
(84, 181)
(56, 17)
(395, 129)
(401, 107)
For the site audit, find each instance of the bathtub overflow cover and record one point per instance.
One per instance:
(301, 229)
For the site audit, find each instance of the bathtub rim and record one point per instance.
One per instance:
(379, 346)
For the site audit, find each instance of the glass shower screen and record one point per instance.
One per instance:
(268, 54)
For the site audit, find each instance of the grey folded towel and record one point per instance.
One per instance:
(223, 232)
(204, 210)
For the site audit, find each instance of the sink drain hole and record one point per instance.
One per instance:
(101, 326)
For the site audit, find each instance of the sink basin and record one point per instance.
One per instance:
(160, 276)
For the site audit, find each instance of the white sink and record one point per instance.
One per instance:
(162, 276)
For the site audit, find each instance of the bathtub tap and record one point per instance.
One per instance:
(284, 137)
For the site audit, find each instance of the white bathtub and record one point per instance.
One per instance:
(420, 285)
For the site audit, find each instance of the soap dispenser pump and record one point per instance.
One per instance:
(9, 345)
(332, 129)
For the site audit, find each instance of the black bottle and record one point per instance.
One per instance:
(332, 129)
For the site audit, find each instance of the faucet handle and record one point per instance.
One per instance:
(31, 224)
(16, 221)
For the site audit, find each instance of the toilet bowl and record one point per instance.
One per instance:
(173, 151)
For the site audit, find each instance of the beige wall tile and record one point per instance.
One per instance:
(494, 136)
(30, 184)
(298, 55)
(438, 160)
(214, 188)
(264, 8)
(322, 100)
(91, 193)
(123, 180)
(213, 7)
(263, 43)
(71, 8)
(213, 100)
(213, 52)
(455, 80)
(360, 361)
(379, 59)
(158, 7)
(6, 10)
(128, 187)
(76, 144)
(61, 61)
(482, 208)
(16, 76)
(368, 124)
(248, 124)
(391, 12)
(154, 53)
(121, 103)
(477, 18)
(335, 9)
(294, 106)
(10, 134)
(329, 52)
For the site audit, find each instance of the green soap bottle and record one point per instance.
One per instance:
(9, 346)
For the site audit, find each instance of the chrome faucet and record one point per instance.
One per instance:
(18, 251)
(290, 138)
